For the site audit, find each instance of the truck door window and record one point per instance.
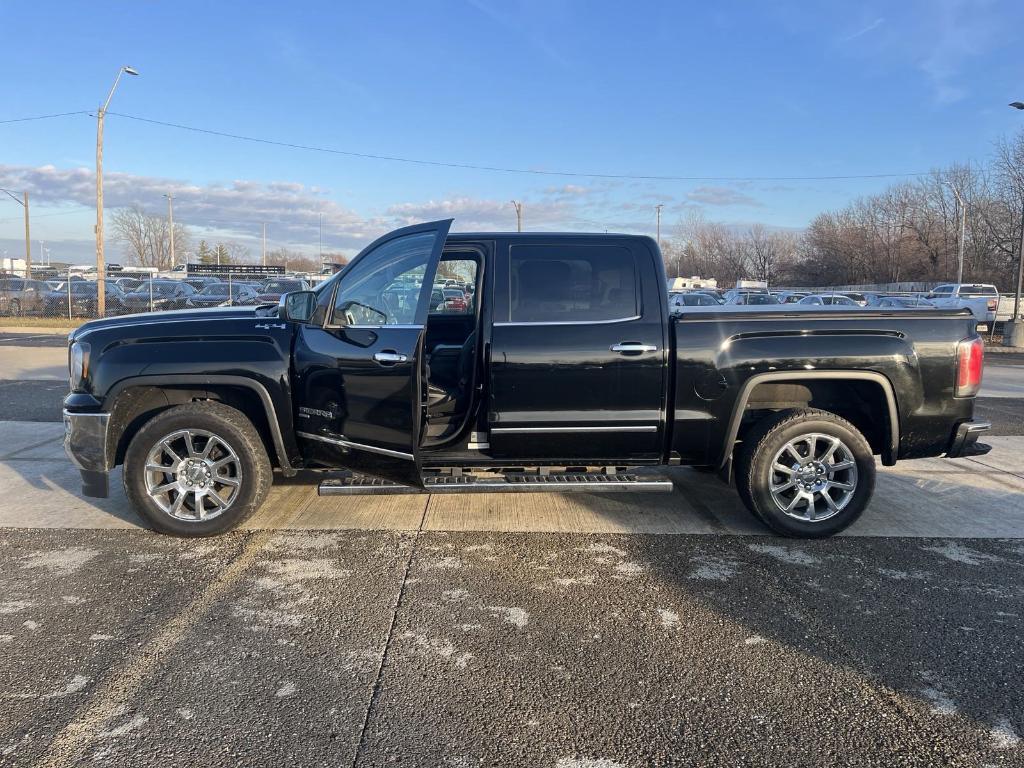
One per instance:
(571, 283)
(385, 286)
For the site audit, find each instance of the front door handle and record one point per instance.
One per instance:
(389, 357)
(632, 348)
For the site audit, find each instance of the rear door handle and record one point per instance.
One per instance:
(389, 357)
(632, 348)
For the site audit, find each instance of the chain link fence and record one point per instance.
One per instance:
(70, 296)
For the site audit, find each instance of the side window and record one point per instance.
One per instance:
(385, 286)
(571, 283)
(454, 288)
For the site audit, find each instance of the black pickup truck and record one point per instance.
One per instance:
(455, 363)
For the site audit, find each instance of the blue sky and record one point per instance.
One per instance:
(694, 89)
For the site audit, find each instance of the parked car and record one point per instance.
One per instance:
(159, 294)
(569, 359)
(903, 302)
(19, 296)
(127, 283)
(82, 295)
(222, 294)
(454, 300)
(716, 295)
(752, 299)
(678, 302)
(272, 290)
(981, 298)
(790, 297)
(201, 282)
(860, 299)
(828, 300)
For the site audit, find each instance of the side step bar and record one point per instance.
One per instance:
(513, 482)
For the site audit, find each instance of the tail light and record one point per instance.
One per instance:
(970, 354)
(993, 305)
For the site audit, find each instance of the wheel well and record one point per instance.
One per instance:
(137, 405)
(861, 402)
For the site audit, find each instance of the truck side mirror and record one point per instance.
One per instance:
(297, 306)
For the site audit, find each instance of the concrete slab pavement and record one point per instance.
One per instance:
(931, 497)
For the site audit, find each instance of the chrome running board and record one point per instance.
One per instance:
(511, 482)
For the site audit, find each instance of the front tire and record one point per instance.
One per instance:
(197, 470)
(805, 473)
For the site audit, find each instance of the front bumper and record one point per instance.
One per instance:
(965, 441)
(85, 443)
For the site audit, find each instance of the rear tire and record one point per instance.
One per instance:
(197, 470)
(805, 473)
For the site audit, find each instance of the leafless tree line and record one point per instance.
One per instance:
(908, 232)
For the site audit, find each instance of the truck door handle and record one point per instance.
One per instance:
(632, 348)
(389, 357)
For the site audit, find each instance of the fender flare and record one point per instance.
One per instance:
(200, 380)
(888, 457)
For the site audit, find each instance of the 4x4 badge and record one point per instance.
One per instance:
(268, 326)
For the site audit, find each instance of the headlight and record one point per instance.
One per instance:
(78, 364)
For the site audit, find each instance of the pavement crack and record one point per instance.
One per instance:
(382, 661)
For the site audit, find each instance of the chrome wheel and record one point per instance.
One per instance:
(193, 475)
(813, 477)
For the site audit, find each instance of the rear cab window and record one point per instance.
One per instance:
(571, 283)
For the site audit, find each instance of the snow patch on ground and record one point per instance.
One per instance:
(941, 704)
(14, 606)
(61, 561)
(788, 555)
(958, 553)
(1003, 736)
(587, 762)
(78, 683)
(714, 569)
(669, 619)
(132, 725)
(512, 615)
(287, 689)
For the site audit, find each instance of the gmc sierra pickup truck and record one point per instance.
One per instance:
(548, 362)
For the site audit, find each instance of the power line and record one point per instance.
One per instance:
(500, 169)
(44, 117)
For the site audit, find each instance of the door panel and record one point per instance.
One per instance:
(589, 389)
(359, 374)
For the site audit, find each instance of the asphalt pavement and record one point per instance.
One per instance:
(571, 651)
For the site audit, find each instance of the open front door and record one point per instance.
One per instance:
(359, 369)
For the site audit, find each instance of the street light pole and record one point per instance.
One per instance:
(265, 246)
(658, 208)
(963, 231)
(28, 240)
(519, 215)
(1012, 335)
(170, 223)
(101, 297)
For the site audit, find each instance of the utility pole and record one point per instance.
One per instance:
(264, 245)
(963, 231)
(170, 224)
(658, 208)
(519, 215)
(101, 267)
(321, 241)
(28, 240)
(1020, 267)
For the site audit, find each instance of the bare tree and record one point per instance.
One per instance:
(146, 237)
